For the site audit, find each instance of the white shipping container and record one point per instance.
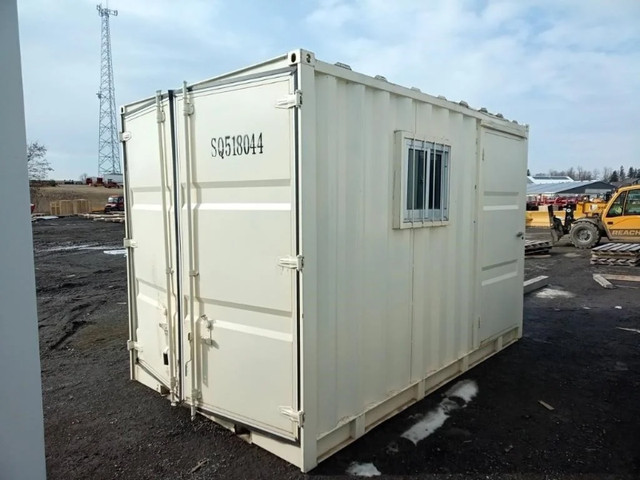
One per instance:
(312, 250)
(113, 178)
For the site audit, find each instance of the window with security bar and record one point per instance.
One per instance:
(426, 181)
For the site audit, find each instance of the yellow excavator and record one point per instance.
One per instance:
(618, 221)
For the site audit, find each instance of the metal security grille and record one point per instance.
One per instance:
(427, 192)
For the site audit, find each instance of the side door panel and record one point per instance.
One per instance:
(502, 204)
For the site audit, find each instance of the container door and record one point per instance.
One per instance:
(502, 222)
(238, 234)
(149, 236)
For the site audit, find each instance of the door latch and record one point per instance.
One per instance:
(206, 332)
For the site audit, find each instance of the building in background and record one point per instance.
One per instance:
(560, 194)
(589, 187)
(541, 179)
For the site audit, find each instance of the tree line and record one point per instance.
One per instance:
(607, 174)
(39, 168)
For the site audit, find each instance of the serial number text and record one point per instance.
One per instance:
(236, 145)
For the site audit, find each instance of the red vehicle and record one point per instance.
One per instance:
(114, 204)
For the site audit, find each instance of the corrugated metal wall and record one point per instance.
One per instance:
(393, 304)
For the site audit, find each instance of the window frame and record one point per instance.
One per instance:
(621, 201)
(405, 217)
(631, 194)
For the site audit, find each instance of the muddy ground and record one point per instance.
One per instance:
(575, 356)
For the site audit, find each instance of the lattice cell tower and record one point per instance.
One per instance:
(108, 146)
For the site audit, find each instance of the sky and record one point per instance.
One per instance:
(568, 68)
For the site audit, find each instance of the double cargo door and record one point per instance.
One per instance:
(213, 262)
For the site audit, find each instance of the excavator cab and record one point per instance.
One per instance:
(621, 219)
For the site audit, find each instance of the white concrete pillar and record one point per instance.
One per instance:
(21, 425)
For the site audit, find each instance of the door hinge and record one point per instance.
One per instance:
(129, 243)
(294, 263)
(132, 345)
(160, 116)
(290, 101)
(124, 136)
(296, 416)
(188, 109)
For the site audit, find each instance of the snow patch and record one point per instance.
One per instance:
(62, 248)
(44, 217)
(554, 293)
(421, 430)
(363, 470)
(634, 330)
(465, 390)
(392, 448)
(121, 251)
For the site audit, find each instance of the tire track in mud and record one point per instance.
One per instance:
(76, 283)
(70, 323)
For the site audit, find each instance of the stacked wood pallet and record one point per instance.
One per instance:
(81, 206)
(61, 208)
(105, 217)
(114, 219)
(537, 247)
(65, 208)
(625, 254)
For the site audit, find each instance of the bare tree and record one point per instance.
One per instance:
(606, 174)
(38, 168)
(83, 178)
(37, 162)
(582, 174)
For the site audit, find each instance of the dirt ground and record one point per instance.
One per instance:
(575, 356)
(97, 196)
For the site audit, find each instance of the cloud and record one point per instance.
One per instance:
(570, 69)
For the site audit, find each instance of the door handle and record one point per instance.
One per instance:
(520, 234)
(609, 223)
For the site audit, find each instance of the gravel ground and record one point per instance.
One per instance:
(575, 356)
